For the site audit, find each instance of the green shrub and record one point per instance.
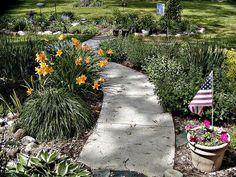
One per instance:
(230, 67)
(53, 114)
(84, 29)
(119, 46)
(146, 22)
(50, 164)
(178, 72)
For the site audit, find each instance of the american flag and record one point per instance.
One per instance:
(204, 96)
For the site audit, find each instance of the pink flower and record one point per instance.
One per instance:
(193, 139)
(206, 123)
(224, 137)
(188, 126)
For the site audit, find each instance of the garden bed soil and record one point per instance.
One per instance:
(183, 155)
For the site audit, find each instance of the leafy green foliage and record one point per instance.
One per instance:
(178, 72)
(51, 164)
(17, 57)
(84, 29)
(54, 113)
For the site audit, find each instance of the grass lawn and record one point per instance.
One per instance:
(219, 18)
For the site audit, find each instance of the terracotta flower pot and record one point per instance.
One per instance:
(207, 158)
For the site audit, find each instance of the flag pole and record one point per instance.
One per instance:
(212, 113)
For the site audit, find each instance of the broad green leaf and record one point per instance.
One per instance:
(35, 161)
(19, 168)
(23, 159)
(52, 157)
(44, 155)
(62, 169)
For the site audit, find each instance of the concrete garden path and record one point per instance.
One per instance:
(132, 133)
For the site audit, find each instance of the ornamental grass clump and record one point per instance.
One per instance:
(55, 114)
(207, 135)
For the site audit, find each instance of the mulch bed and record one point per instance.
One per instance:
(183, 156)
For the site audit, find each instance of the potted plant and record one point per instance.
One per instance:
(146, 23)
(207, 145)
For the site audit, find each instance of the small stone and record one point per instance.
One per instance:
(19, 134)
(178, 35)
(10, 123)
(2, 129)
(172, 173)
(75, 24)
(30, 147)
(12, 152)
(57, 33)
(47, 33)
(40, 33)
(21, 33)
(11, 116)
(201, 30)
(27, 139)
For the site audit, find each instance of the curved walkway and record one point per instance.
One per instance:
(132, 133)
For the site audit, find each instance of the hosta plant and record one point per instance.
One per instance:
(46, 164)
(207, 135)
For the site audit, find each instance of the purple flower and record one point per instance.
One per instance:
(224, 137)
(206, 123)
(188, 126)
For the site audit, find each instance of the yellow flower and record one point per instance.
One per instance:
(96, 85)
(61, 37)
(101, 80)
(76, 43)
(100, 52)
(78, 61)
(29, 91)
(44, 69)
(74, 40)
(88, 60)
(41, 57)
(59, 53)
(102, 63)
(109, 52)
(81, 79)
(86, 48)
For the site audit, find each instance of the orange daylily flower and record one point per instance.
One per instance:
(88, 60)
(78, 61)
(81, 79)
(59, 53)
(102, 63)
(41, 57)
(101, 80)
(29, 91)
(109, 52)
(100, 52)
(44, 69)
(96, 85)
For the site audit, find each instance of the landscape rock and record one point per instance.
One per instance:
(172, 173)
(10, 123)
(27, 139)
(46, 33)
(75, 24)
(101, 173)
(2, 129)
(40, 33)
(201, 30)
(178, 35)
(21, 33)
(57, 33)
(13, 152)
(11, 116)
(30, 147)
(19, 134)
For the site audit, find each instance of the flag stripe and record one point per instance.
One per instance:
(204, 97)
